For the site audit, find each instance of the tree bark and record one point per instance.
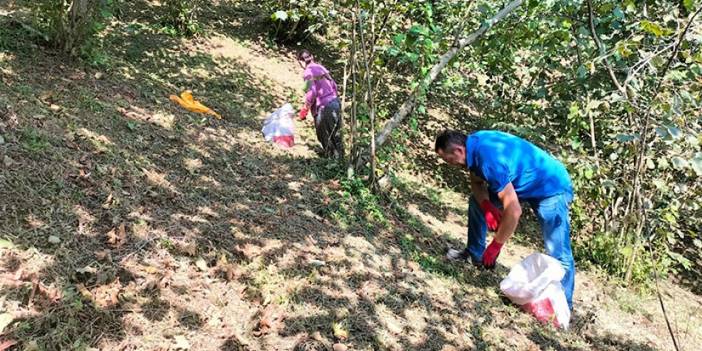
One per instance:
(408, 105)
(353, 149)
(369, 81)
(74, 30)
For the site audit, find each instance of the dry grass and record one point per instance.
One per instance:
(128, 223)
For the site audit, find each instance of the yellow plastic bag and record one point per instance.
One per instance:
(186, 101)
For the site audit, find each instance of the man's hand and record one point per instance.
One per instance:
(303, 113)
(491, 253)
(492, 214)
(509, 217)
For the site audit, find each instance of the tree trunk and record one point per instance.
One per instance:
(369, 81)
(353, 149)
(75, 29)
(408, 105)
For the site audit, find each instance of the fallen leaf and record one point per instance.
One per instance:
(181, 343)
(271, 321)
(201, 264)
(104, 255)
(340, 332)
(151, 269)
(122, 232)
(54, 239)
(6, 244)
(31, 346)
(86, 270)
(5, 320)
(108, 295)
(7, 161)
(46, 95)
(77, 75)
(340, 347)
(107, 202)
(317, 263)
(227, 271)
(116, 236)
(84, 291)
(188, 248)
(317, 336)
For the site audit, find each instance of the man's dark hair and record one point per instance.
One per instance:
(447, 139)
(302, 52)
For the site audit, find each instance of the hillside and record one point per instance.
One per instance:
(129, 223)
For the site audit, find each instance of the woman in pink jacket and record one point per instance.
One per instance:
(321, 98)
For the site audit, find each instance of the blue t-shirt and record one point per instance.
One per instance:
(500, 158)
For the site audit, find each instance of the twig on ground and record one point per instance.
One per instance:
(660, 300)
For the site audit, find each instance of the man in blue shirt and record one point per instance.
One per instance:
(506, 170)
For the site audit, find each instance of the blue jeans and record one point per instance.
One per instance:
(552, 213)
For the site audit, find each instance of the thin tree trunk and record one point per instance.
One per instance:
(408, 105)
(371, 107)
(74, 30)
(354, 71)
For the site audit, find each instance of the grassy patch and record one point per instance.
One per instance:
(34, 140)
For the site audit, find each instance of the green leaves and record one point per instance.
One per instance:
(279, 15)
(418, 31)
(399, 39)
(689, 5)
(679, 163)
(654, 28)
(696, 163)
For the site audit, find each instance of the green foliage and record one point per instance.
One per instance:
(180, 17)
(540, 75)
(365, 203)
(547, 82)
(295, 20)
(72, 26)
(34, 141)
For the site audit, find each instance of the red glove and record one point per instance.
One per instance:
(303, 113)
(492, 214)
(491, 253)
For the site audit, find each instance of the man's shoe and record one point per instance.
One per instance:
(457, 255)
(462, 255)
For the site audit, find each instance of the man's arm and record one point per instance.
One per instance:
(511, 211)
(477, 186)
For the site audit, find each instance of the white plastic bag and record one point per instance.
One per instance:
(279, 127)
(535, 285)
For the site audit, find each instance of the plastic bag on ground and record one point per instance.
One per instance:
(535, 285)
(279, 127)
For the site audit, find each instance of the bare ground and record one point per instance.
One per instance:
(128, 223)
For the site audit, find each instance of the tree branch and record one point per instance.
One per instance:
(660, 300)
(641, 64)
(408, 105)
(603, 52)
